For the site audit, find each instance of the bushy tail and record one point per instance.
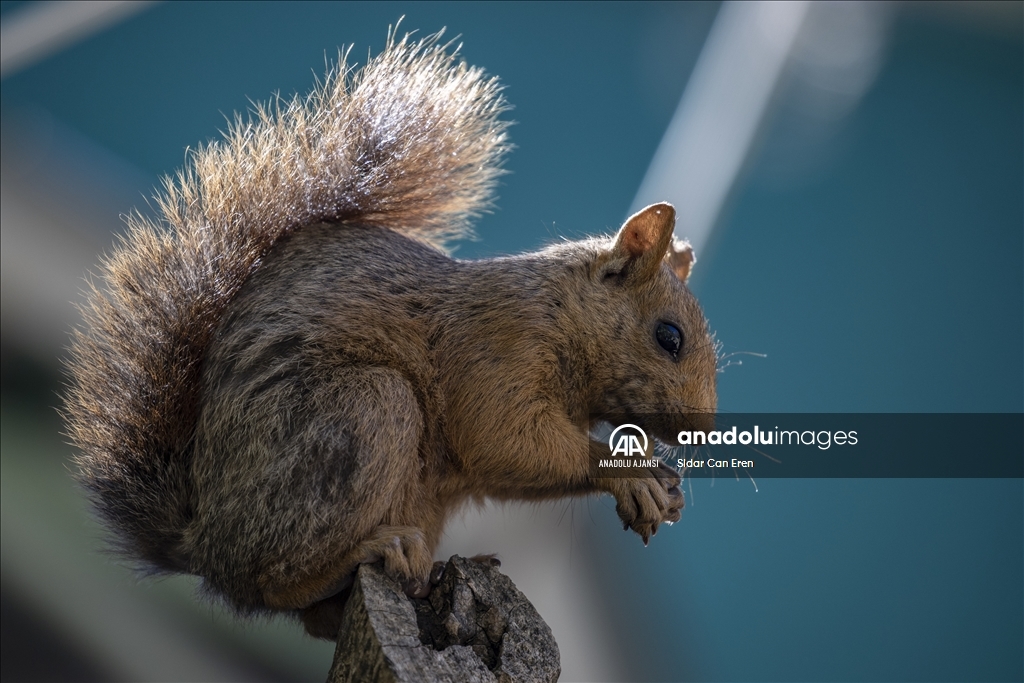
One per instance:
(411, 142)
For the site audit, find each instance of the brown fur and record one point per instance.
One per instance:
(268, 407)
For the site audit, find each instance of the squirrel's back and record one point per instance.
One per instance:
(412, 142)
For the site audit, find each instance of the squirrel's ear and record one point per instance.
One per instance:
(680, 258)
(644, 240)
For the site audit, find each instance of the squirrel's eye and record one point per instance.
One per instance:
(669, 338)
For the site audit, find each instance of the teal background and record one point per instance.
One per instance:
(878, 264)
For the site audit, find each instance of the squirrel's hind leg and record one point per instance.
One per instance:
(383, 514)
(406, 557)
(402, 548)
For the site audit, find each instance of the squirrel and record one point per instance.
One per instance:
(285, 376)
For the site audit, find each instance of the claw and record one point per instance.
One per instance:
(489, 559)
(415, 588)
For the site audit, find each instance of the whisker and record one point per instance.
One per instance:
(743, 353)
(760, 452)
(730, 363)
(725, 357)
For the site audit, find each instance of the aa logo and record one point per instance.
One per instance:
(626, 441)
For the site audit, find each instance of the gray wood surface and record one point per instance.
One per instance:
(474, 626)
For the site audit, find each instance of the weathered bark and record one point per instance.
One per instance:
(474, 626)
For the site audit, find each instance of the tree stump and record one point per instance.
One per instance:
(474, 626)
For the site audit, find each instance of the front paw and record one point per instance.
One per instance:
(644, 502)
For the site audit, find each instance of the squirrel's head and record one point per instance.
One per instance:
(652, 358)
